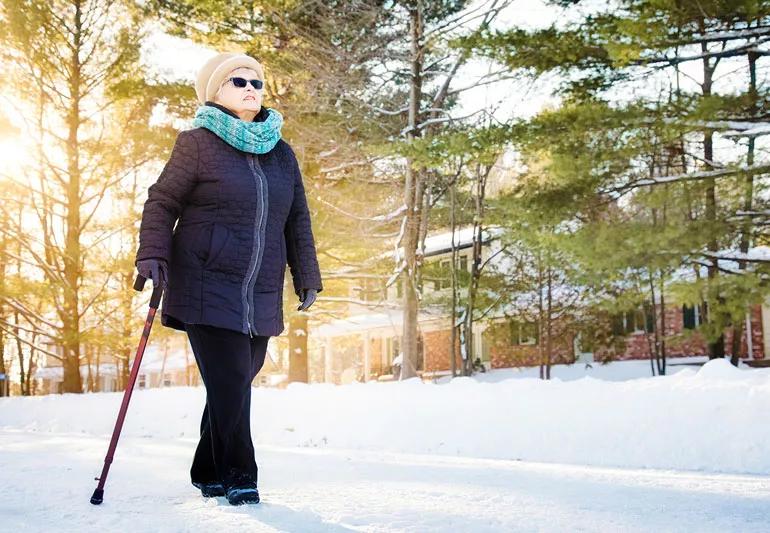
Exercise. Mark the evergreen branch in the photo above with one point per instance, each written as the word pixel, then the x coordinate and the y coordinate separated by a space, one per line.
pixel 706 174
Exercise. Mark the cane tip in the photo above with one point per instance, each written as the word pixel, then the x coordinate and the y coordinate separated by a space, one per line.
pixel 98 496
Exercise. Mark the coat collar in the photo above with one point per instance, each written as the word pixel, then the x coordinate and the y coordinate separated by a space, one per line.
pixel 260 117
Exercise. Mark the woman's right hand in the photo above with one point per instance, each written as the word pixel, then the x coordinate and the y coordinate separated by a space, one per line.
pixel 154 269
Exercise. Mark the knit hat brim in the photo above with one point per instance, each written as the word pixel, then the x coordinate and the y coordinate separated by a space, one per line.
pixel 216 69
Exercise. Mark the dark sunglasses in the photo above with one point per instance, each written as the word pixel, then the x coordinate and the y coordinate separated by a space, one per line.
pixel 241 82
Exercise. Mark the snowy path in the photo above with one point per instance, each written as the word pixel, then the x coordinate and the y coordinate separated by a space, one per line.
pixel 46 480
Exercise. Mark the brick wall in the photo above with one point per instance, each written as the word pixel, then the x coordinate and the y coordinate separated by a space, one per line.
pixel 681 342
pixel 436 349
pixel 503 354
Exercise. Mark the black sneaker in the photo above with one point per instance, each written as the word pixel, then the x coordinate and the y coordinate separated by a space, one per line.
pixel 210 490
pixel 243 494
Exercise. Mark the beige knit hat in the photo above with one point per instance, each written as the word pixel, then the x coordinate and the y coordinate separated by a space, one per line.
pixel 216 69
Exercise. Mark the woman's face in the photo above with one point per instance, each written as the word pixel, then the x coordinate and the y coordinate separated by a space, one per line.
pixel 240 99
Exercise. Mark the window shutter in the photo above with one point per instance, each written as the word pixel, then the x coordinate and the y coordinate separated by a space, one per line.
pixel 688 317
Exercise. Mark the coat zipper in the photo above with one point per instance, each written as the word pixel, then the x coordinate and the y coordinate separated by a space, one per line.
pixel 256 258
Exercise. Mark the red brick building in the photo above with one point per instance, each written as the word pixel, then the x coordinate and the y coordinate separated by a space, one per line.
pixel 364 345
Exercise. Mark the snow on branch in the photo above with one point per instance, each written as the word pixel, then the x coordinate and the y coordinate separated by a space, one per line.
pixel 763 213
pixel 396 273
pixel 755 130
pixel 734 35
pixel 727 52
pixel 399 238
pixel 706 174
pixel 434 121
pixel 31 344
pixel 35 331
pixel 328 153
pixel 390 112
pixel 352 275
pixel 27 312
pixel 343 166
pixel 728 128
pixel 342 299
pixel 721 268
pixel 387 217
pixel 760 254
pixel 737 125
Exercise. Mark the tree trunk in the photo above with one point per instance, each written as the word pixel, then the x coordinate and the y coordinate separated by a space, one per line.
pixel 298 359
pixel 716 348
pixel 748 202
pixel 3 263
pixel 655 351
pixel 89 371
pixel 453 313
pixel 549 323
pixel 72 273
pixel 662 361
pixel 413 201
pixel 540 314
pixel 163 364
pixel 98 387
pixel 20 355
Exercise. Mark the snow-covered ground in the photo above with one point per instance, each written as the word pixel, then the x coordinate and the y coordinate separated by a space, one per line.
pixel 686 452
pixel 48 479
pixel 616 371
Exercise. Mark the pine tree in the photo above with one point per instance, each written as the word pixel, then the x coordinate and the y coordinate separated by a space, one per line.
pixel 635 115
pixel 77 57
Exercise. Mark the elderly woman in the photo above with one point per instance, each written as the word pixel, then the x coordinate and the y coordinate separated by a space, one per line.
pixel 236 189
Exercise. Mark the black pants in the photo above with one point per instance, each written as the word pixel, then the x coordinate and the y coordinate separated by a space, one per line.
pixel 228 362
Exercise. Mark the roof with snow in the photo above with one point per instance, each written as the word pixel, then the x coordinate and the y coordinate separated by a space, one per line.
pixel 389 320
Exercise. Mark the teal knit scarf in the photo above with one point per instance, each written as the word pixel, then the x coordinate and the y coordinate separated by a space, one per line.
pixel 252 137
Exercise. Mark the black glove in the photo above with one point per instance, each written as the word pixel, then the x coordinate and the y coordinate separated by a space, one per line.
pixel 307 297
pixel 154 269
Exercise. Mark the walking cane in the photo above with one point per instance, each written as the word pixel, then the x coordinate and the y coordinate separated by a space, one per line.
pixel 98 495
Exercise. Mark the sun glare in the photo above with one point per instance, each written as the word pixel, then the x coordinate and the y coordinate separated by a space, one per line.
pixel 14 155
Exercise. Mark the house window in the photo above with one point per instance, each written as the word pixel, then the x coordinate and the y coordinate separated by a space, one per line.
pixel 445 275
pixel 649 319
pixel 691 316
pixel 142 381
pixel 523 333
pixel 635 321
pixel 370 290
pixel 444 278
pixel 167 380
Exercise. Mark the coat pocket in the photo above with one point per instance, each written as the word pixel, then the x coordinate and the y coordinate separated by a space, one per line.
pixel 218 240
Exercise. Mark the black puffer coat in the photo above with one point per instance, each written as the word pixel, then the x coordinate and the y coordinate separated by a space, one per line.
pixel 242 217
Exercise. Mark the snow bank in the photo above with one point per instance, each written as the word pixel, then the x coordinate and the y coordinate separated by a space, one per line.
pixel 715 419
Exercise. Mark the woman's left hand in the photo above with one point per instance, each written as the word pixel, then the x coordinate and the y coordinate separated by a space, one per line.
pixel 307 297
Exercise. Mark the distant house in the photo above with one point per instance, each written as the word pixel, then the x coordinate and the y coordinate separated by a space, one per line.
pixel 165 363
pixel 364 345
